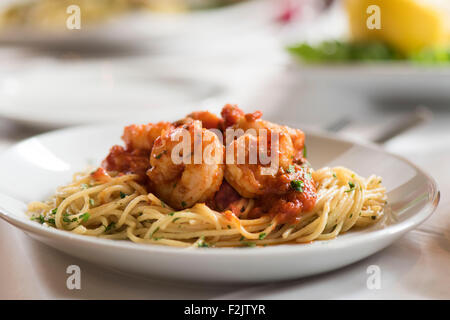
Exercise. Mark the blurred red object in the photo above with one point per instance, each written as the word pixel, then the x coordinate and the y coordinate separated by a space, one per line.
pixel 291 10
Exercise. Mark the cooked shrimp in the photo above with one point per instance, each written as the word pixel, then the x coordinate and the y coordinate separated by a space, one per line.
pixel 209 120
pixel 256 177
pixel 236 118
pixel 143 136
pixel 298 140
pixel 181 184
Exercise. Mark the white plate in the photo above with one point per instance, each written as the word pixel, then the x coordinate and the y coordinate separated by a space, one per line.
pixel 32 170
pixel 396 83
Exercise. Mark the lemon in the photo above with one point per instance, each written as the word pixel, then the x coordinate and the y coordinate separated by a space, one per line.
pixel 407 25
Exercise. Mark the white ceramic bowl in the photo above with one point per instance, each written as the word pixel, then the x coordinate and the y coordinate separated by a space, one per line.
pixel 31 170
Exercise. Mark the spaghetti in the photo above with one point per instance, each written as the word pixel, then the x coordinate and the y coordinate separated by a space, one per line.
pixel 121 208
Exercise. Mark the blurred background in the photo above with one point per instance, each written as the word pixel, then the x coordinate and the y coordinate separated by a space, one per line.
pixel 316 64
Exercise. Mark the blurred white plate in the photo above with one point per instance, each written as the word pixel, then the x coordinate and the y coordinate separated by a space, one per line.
pixel 32 170
pixel 58 95
pixel 394 82
pixel 143 28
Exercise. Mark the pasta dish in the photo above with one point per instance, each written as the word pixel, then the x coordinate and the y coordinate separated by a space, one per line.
pixel 207 181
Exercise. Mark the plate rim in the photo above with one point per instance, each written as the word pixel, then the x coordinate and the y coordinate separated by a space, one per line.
pixel 398 228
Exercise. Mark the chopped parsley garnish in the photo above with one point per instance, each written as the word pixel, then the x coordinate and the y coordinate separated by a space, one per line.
pixel 122 195
pixel 262 236
pixel 92 202
pixel 297 185
pixel 40 219
pixel 242 238
pixel 54 211
pixel 85 216
pixel 351 185
pixel 291 168
pixel 242 209
pixel 202 243
pixel 175 219
pixel 163 204
pixel 51 221
pixel 171 214
pixel 305 152
pixel 183 204
pixel 250 244
pixel 157 228
pixel 334 175
pixel 110 226
pixel 160 155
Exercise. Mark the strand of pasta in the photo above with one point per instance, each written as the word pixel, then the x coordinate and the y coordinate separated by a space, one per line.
pixel 122 209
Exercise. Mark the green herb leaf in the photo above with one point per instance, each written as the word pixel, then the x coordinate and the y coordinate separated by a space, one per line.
pixel 250 244
pixel 203 244
pixel 305 152
pixel 40 219
pixel 337 51
pixel 122 195
pixel 85 216
pixel 297 185
pixel 262 236
pixel 291 168
pixel 157 228
pixel 92 202
pixel 110 226
pixel 160 155
pixel 351 185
